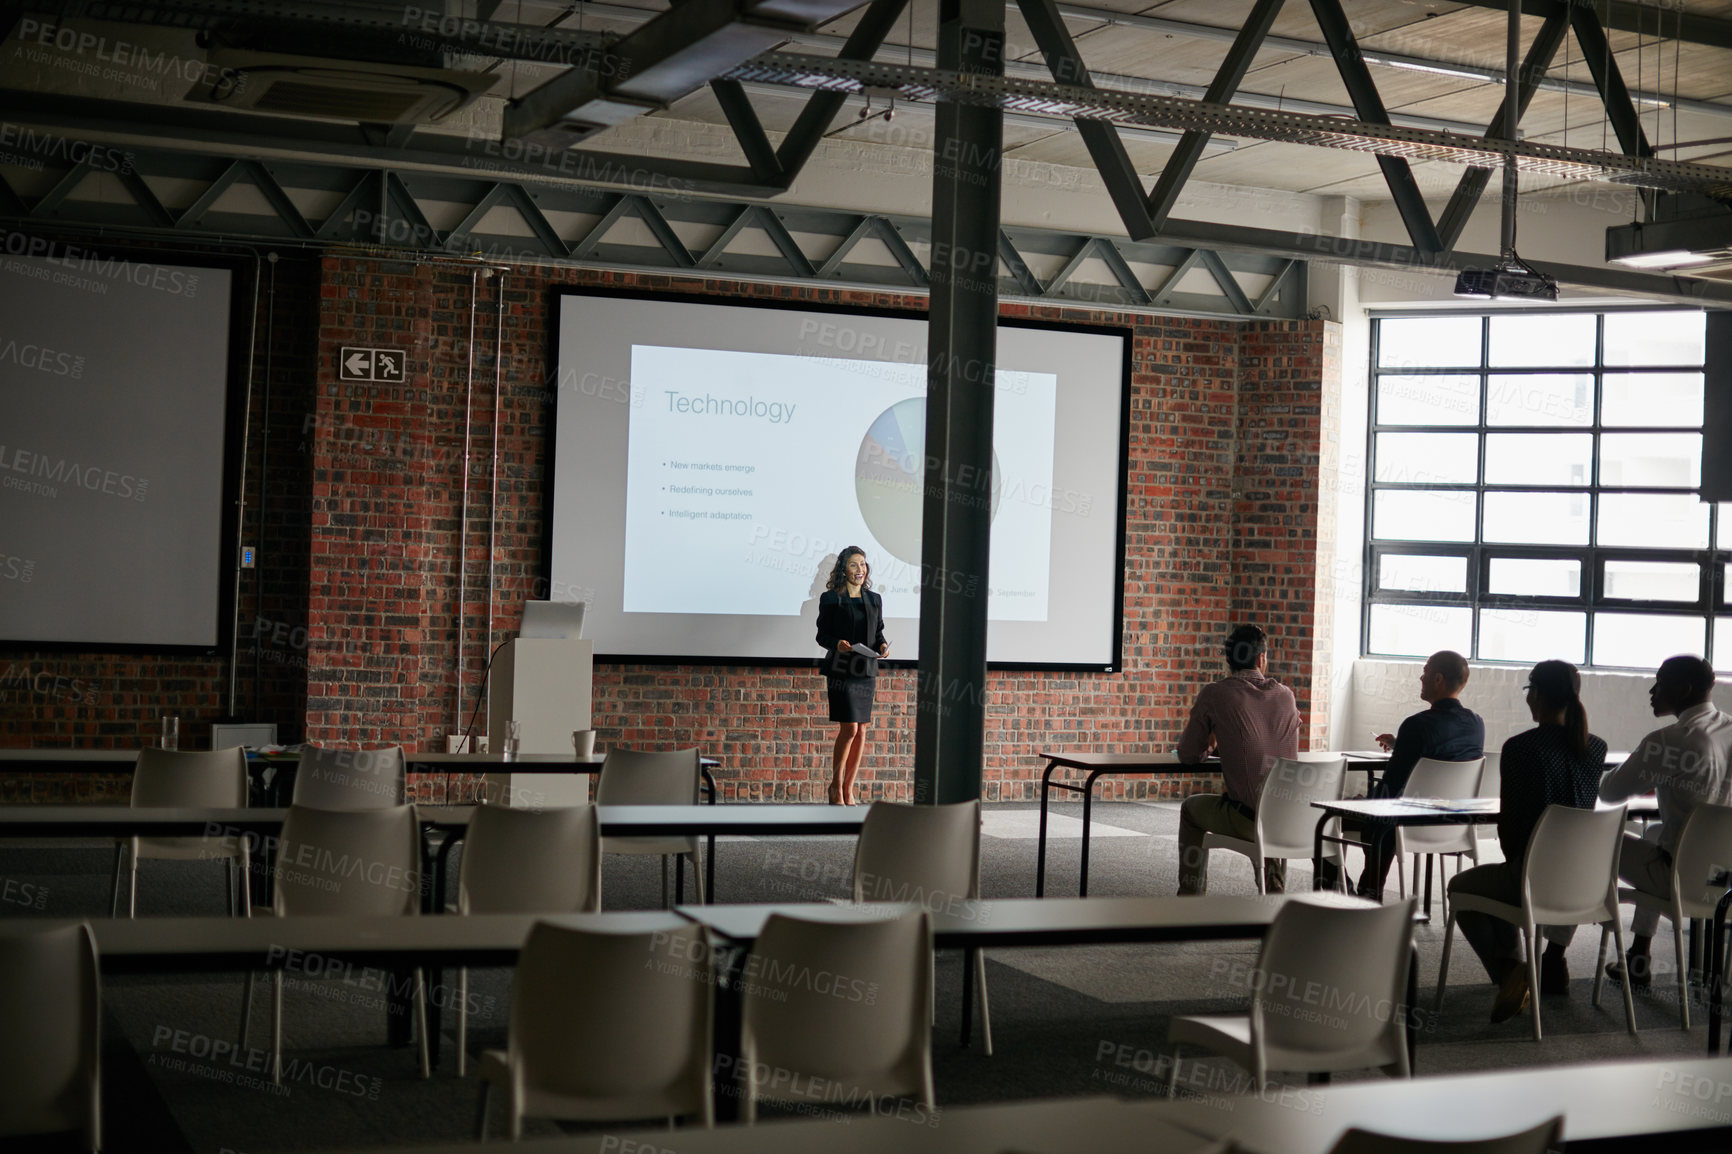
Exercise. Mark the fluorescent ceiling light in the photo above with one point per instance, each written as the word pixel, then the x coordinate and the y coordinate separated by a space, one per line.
pixel 1675 258
pixel 1435 69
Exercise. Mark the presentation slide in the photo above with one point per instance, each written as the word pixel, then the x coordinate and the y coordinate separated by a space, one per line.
pixel 711 461
pixel 769 442
pixel 114 385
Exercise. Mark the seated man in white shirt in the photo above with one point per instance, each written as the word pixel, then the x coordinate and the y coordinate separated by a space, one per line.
pixel 1685 764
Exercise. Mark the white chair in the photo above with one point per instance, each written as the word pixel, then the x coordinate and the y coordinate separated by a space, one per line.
pixel 1704 848
pixel 1569 878
pixel 357 862
pixel 1541 1139
pixel 607 1026
pixel 1327 994
pixel 848 1002
pixel 643 777
pixel 1286 822
pixel 927 854
pixel 525 861
pixel 50 1046
pixel 167 778
pixel 1434 778
pixel 329 778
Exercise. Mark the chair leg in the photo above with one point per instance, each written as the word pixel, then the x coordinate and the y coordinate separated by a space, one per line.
pixel 247 1007
pixel 1600 966
pixel 119 864
pixel 1629 1001
pixel 246 884
pixel 1683 972
pixel 985 1009
pixel 421 1023
pixel 132 890
pixel 664 881
pixel 277 1029
pixel 1531 937
pixel 229 877
pixel 1443 967
pixel 481 1112
pixel 1400 876
pixel 462 1020
pixel 1173 1074
pixel 697 874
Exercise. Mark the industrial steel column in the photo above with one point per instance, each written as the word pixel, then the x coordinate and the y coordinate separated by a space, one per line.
pixel 951 722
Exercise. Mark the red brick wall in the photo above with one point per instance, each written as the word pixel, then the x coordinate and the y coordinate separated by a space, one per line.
pixel 1227 445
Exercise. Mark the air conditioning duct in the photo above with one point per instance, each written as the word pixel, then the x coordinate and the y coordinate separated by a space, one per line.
pixel 330 89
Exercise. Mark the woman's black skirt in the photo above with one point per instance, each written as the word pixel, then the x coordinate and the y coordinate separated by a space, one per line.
pixel 851 698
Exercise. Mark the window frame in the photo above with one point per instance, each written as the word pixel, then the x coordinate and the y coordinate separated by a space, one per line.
pixel 1714 587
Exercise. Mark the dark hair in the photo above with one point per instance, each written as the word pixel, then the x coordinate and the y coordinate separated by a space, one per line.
pixel 1451 666
pixel 1558 685
pixel 839 571
pixel 1244 645
pixel 1691 674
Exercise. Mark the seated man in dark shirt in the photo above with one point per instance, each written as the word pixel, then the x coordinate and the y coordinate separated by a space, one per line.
pixel 1448 731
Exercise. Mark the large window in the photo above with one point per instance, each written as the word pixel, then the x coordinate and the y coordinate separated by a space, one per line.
pixel 1533 490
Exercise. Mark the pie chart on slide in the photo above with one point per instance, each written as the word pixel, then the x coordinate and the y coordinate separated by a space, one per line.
pixel 889 474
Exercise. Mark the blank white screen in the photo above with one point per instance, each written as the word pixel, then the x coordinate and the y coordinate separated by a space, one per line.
pixel 113 397
pixel 711 460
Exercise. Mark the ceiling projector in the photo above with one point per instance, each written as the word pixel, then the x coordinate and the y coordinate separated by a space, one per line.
pixel 1510 280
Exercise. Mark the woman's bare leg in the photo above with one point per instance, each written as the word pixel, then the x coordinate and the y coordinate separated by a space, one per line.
pixel 846 735
pixel 853 764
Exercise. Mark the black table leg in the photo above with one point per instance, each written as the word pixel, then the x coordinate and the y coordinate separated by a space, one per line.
pixel 967 996
pixel 727 1084
pixel 1412 1001
pixel 1088 812
pixel 1717 971
pixel 710 842
pixel 1429 859
pixel 1316 855
pixel 433 902
pixel 1040 852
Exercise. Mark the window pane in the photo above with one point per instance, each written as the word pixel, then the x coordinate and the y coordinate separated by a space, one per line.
pixel 1418 515
pixel 1541 399
pixel 1428 400
pixel 1539 458
pixel 1428 458
pixel 1669 459
pixel 1420 630
pixel 1725 527
pixel 1540 341
pixel 1652 581
pixel 1535 577
pixel 1413 573
pixel 1651 399
pixel 1428 342
pixel 1537 518
pixel 1665 520
pixel 1643 640
pixel 1722 643
pixel 1531 635
pixel 1664 338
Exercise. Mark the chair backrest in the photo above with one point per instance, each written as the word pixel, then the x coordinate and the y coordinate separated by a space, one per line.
pixel 350 778
pixel 648 777
pixel 1286 823
pixel 1704 846
pixel 1570 876
pixel 1491 775
pixel 528 861
pixel 623 1019
pixel 173 777
pixel 1434 778
pixel 348 861
pixel 842 1000
pixel 929 854
pixel 1332 978
pixel 50 1048
pixel 1546 1136
pixel 1454 779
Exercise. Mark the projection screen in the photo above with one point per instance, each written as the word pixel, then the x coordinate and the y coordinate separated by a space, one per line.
pixel 710 461
pixel 114 390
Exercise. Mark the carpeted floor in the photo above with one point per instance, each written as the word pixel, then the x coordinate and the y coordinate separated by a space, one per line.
pixel 1065 1021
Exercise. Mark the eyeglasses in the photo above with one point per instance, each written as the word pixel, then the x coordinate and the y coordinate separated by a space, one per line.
pixel 1528 688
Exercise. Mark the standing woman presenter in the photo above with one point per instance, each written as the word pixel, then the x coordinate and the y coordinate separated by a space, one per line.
pixel 851 630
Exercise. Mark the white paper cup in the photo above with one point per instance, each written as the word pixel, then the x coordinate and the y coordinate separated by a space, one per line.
pixel 583 743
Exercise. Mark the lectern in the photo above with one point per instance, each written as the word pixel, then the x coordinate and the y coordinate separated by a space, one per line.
pixel 543 684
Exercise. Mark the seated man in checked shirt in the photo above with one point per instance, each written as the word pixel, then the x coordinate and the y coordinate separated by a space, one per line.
pixel 1684 764
pixel 1249 719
